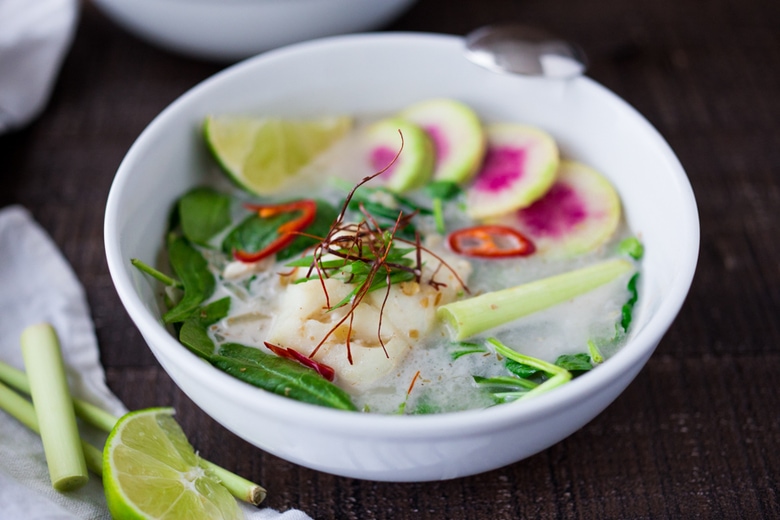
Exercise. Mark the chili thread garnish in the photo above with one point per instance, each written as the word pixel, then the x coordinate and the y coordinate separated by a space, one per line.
pixel 363 252
pixel 414 380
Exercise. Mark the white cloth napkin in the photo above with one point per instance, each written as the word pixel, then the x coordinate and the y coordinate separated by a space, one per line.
pixel 34 38
pixel 37 285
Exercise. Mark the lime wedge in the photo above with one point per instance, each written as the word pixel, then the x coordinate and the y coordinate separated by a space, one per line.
pixel 151 471
pixel 263 155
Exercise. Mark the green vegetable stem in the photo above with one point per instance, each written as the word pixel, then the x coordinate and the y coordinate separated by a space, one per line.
pixel 56 419
pixel 23 411
pixel 475 315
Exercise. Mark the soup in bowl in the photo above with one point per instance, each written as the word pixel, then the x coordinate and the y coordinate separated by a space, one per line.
pixel 447 394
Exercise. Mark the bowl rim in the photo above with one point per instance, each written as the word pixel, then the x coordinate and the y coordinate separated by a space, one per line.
pixel 468 422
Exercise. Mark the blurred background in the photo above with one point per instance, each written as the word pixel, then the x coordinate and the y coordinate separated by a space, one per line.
pixel 694 436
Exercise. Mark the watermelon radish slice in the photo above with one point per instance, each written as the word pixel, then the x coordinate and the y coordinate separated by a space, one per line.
pixel 579 213
pixel 457 135
pixel 519 167
pixel 414 165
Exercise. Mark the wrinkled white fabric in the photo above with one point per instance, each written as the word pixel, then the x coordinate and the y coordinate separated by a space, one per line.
pixel 38 285
pixel 35 35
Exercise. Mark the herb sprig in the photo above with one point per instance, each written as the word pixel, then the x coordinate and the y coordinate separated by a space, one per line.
pixel 367 255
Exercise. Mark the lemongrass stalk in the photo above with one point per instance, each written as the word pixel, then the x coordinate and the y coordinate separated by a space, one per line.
pixel 475 315
pixel 90 413
pixel 239 487
pixel 23 411
pixel 53 407
pixel 14 378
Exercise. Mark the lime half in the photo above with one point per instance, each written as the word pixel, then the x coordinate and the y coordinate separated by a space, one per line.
pixel 264 154
pixel 151 471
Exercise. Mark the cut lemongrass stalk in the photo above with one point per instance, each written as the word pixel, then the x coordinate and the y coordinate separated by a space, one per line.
pixel 53 407
pixel 90 413
pixel 475 315
pixel 23 411
pixel 14 378
pixel 239 487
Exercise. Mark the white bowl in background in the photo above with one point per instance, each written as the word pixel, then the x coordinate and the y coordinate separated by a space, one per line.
pixel 229 30
pixel 369 74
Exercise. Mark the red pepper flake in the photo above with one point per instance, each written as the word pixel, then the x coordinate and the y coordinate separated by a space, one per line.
pixel 290 353
pixel 414 380
pixel 490 241
pixel 287 231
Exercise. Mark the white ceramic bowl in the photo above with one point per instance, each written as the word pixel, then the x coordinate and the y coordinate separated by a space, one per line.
pixel 229 30
pixel 378 73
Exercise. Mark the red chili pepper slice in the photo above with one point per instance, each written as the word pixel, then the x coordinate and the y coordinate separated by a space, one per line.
pixel 290 353
pixel 490 241
pixel 287 231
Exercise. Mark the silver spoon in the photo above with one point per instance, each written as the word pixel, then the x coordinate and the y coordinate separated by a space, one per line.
pixel 519 49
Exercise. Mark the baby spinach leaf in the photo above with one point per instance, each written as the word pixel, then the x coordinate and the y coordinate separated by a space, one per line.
pixel 203 212
pixel 254 233
pixel 194 331
pixel 281 376
pixel 326 215
pixel 521 369
pixel 575 363
pixel 194 274
pixel 443 190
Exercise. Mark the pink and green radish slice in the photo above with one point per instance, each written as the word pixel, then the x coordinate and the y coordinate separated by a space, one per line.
pixel 457 135
pixel 413 166
pixel 579 213
pixel 519 167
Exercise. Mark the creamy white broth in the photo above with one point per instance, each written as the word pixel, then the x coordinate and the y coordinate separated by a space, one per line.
pixel 441 383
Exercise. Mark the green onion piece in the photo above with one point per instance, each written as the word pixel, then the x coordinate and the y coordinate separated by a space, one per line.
pixel 481 313
pixel 53 407
pixel 24 412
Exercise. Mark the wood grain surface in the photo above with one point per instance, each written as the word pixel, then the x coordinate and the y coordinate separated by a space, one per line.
pixel 696 435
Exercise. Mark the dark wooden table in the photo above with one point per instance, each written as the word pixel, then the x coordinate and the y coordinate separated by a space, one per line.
pixel 697 434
